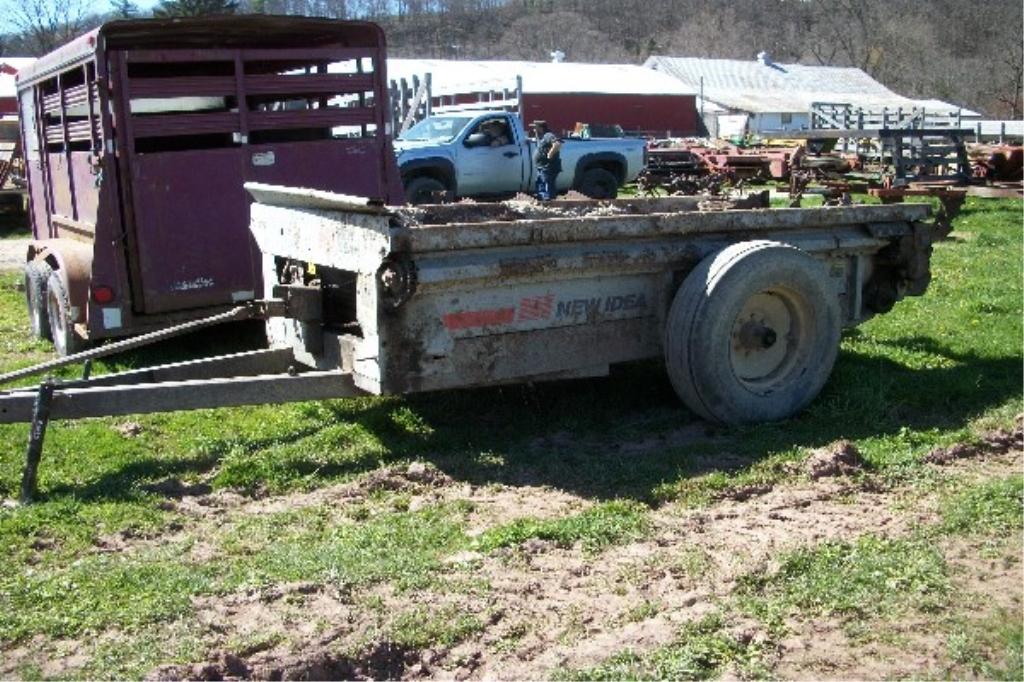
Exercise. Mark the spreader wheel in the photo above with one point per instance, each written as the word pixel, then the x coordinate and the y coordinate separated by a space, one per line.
pixel 752 333
pixel 62 324
pixel 36 275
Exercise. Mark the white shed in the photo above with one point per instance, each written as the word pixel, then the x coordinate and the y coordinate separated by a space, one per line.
pixel 9 67
pixel 779 97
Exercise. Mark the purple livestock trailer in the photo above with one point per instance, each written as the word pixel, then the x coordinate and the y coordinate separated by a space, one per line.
pixel 139 136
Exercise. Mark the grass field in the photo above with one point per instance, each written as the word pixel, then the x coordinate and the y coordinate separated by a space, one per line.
pixel 578 530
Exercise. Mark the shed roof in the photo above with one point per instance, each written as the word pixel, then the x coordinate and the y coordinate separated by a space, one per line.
pixel 758 87
pixel 451 77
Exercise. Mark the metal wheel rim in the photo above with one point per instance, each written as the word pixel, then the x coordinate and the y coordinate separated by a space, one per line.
pixel 767 338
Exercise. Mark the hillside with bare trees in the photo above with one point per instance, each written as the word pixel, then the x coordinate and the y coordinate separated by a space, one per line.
pixel 968 54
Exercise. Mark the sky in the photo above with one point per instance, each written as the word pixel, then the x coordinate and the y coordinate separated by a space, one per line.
pixel 97 6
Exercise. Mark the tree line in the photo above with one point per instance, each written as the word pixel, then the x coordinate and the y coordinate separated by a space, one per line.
pixel 969 54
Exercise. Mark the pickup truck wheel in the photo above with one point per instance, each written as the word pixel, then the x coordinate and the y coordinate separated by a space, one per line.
pixel 425 190
pixel 598 183
pixel 752 333
pixel 36 275
pixel 62 325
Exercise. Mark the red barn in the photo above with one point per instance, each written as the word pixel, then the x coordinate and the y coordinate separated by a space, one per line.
pixel 564 94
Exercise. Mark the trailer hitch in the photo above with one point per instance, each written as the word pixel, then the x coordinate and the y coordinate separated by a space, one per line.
pixel 269 375
pixel 43 400
pixel 245 312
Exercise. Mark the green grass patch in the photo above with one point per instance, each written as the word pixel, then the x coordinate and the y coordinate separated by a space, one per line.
pixel 595 528
pixel 871 577
pixel 99 591
pixel 1009 648
pixel 318 545
pixel 707 483
pixel 133 655
pixel 421 627
pixel 67 527
pixel 990 649
pixel 129 590
pixel 702 650
pixel 644 610
pixel 989 507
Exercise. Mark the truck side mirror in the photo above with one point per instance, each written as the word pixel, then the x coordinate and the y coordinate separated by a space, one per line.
pixel 477 140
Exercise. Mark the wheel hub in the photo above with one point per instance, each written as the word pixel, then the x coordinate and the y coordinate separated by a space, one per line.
pixel 753 335
pixel 762 341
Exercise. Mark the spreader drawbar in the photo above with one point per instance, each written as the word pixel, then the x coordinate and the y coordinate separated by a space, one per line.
pixel 249 378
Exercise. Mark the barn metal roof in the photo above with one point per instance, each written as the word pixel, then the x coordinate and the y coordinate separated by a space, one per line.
pixel 452 77
pixel 757 87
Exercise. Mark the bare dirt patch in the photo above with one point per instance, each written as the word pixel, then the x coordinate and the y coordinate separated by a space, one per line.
pixel 176 488
pixel 424 483
pixel 994 442
pixel 839 459
pixel 379 661
pixel 12 253
pixel 54 657
pixel 548 607
pixel 198 501
pixel 541 607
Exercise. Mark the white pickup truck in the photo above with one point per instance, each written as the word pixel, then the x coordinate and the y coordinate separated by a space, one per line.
pixel 453 156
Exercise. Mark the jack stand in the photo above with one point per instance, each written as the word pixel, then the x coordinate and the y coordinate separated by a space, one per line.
pixel 40 418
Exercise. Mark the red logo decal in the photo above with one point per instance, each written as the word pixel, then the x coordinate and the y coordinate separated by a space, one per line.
pixel 478 318
pixel 536 307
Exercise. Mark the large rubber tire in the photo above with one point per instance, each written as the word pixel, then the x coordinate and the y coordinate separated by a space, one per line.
pixel 599 183
pixel 424 190
pixel 753 333
pixel 37 273
pixel 62 325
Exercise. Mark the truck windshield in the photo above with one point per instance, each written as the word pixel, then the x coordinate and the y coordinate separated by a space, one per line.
pixel 436 129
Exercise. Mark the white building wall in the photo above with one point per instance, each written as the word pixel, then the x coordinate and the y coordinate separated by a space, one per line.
pixel 772 122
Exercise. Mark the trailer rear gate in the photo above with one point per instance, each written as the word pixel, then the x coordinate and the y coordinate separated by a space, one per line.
pixel 271 137
pixel 145 135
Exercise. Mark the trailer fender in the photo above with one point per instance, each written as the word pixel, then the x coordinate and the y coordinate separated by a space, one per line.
pixel 72 261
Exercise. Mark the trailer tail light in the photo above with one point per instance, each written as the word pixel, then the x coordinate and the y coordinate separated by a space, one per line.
pixel 102 294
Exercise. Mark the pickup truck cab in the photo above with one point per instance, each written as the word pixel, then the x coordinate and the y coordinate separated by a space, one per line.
pixel 490 155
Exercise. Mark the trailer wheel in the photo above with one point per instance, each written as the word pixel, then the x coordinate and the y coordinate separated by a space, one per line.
pixel 752 333
pixel 62 325
pixel 425 190
pixel 36 275
pixel 599 183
